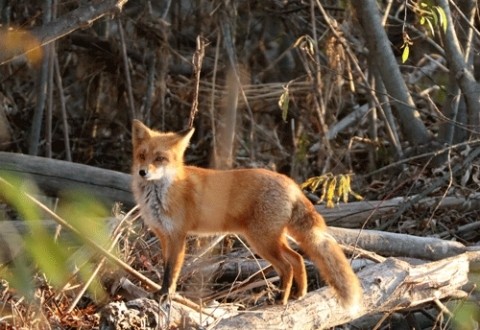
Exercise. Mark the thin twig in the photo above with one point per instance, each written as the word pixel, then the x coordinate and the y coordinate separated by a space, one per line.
pixel 212 101
pixel 63 109
pixel 50 51
pixel 319 100
pixel 391 130
pixel 197 67
pixel 432 154
pixel 150 94
pixel 49 107
pixel 465 18
pixel 442 307
pixel 433 186
pixel 128 80
pixel 41 91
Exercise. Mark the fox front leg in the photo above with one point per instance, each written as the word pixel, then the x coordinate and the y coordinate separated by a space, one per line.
pixel 172 266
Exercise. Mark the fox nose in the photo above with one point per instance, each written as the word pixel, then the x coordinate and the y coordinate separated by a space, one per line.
pixel 142 173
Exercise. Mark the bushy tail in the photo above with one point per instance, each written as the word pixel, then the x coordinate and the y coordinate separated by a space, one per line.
pixel 323 250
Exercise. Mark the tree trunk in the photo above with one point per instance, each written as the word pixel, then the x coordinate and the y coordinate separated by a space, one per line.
pixel 458 62
pixel 381 52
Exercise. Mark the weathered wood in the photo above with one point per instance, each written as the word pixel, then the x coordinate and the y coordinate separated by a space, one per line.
pixel 389 286
pixel 398 245
pixel 54 176
pixel 355 214
pixel 146 314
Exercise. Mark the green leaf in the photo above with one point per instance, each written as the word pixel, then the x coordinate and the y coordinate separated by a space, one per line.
pixel 19 275
pixel 12 189
pixel 50 257
pixel 43 253
pixel 464 315
pixel 85 214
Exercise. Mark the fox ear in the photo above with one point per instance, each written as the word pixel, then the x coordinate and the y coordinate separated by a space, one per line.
pixel 140 132
pixel 184 139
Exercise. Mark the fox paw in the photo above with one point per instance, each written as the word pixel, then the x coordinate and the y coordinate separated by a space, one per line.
pixel 280 298
pixel 161 297
pixel 297 294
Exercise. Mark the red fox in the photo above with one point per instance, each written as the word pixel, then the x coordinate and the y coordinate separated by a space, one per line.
pixel 261 205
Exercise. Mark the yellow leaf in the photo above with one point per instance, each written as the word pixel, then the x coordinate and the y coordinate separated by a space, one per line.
pixel 347 189
pixel 405 53
pixel 331 190
pixel 283 103
pixel 430 25
pixel 357 196
pixel 442 17
pixel 317 183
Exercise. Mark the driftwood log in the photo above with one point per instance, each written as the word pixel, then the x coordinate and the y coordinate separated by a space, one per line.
pixel 54 176
pixel 355 214
pixel 389 286
pixel 398 245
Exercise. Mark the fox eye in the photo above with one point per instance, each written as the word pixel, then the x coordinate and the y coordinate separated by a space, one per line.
pixel 141 156
pixel 161 159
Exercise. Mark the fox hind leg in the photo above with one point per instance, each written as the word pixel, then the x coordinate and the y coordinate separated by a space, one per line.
pixel 278 253
pixel 299 271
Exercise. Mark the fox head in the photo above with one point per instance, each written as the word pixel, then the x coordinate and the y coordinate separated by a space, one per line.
pixel 157 155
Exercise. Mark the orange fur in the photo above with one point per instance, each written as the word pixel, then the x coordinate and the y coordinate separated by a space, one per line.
pixel 263 206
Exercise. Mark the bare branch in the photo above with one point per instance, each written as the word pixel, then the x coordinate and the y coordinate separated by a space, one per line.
pixel 54 30
pixel 197 67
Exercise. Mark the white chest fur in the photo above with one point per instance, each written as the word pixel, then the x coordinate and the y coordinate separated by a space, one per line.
pixel 153 208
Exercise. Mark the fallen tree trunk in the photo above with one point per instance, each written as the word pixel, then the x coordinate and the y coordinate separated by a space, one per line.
pixel 53 176
pixel 389 286
pixel 398 245
pixel 356 214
